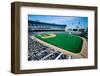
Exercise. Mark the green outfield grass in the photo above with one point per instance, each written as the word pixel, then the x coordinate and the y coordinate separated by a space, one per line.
pixel 67 42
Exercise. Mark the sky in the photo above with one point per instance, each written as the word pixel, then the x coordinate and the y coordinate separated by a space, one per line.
pixel 70 21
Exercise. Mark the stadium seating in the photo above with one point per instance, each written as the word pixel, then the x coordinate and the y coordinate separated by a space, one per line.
pixel 38 51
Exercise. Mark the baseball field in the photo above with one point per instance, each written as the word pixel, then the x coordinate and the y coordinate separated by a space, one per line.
pixel 71 43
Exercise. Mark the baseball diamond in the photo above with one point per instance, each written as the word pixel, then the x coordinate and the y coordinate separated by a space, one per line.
pixel 63 41
pixel 47 35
